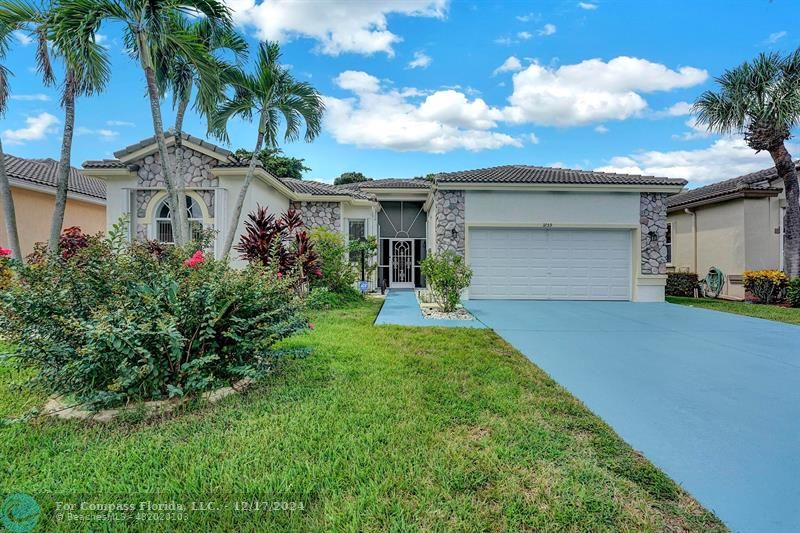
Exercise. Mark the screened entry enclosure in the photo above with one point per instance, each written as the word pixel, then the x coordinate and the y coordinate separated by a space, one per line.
pixel 401 232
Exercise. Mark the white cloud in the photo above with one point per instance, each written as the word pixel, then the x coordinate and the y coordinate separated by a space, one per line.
pixel 36 128
pixel 30 97
pixel 600 129
pixel 445 120
pixel 504 40
pixel 529 17
pixel 587 6
pixel 727 157
pixel 547 29
pixel 512 64
pixel 421 60
pixel 696 131
pixel 358 27
pixel 22 38
pixel 533 138
pixel 775 37
pixel 524 35
pixel 592 90
pixel 120 123
pixel 100 132
pixel 677 109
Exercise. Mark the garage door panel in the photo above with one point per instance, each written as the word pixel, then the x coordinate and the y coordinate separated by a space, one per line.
pixel 526 263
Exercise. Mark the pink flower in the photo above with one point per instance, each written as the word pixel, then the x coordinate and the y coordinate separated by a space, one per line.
pixel 280 275
pixel 196 260
pixel 5 252
pixel 310 325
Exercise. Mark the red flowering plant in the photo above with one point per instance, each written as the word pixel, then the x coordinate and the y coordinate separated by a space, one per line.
pixel 197 259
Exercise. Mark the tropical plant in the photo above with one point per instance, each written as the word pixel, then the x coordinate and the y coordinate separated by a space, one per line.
pixel 761 100
pixel 149 32
pixel 447 275
pixel 9 214
pixel 681 284
pixel 793 292
pixel 272 95
pixel 338 273
pixel 765 285
pixel 86 72
pixel 275 163
pixel 350 177
pixel 113 323
pixel 178 75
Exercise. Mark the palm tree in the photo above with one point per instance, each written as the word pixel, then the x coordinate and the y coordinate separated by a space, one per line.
pixel 180 76
pixel 86 72
pixel 273 95
pixel 9 215
pixel 149 31
pixel 761 99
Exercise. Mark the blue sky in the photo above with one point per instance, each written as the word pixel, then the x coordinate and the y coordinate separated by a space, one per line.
pixel 419 86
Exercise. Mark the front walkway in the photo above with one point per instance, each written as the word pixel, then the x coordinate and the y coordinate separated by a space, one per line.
pixel 711 398
pixel 402 309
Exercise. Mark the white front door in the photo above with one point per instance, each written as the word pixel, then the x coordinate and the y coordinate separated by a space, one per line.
pixel 401 264
pixel 556 264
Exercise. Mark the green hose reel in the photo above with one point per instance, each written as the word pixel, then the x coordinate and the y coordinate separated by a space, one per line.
pixel 713 283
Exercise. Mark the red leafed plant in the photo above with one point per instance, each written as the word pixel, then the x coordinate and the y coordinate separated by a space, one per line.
pixel 72 239
pixel 267 239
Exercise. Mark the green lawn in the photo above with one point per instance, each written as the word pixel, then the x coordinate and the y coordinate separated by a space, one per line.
pixel 381 428
pixel 789 315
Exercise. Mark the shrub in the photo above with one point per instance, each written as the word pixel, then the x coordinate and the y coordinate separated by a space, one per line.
pixel 681 284
pixel 447 275
pixel 793 292
pixel 765 285
pixel 338 274
pixel 323 298
pixel 120 322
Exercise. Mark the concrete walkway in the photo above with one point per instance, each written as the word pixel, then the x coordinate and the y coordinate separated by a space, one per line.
pixel 402 309
pixel 711 398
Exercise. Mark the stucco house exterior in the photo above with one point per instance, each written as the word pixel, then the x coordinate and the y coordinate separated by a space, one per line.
pixel 33 190
pixel 735 225
pixel 527 232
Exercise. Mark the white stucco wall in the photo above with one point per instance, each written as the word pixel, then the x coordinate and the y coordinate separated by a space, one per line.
pixel 567 210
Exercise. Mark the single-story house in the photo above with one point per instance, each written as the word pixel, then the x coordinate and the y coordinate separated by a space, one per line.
pixel 527 232
pixel 735 225
pixel 33 190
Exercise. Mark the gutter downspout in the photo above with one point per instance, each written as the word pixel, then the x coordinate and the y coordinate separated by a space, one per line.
pixel 694 238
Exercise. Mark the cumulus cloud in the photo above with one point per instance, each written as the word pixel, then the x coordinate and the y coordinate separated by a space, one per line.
pixel 773 38
pixel 512 64
pixel 357 27
pixel 30 97
pixel 36 128
pixel 677 109
pixel 696 131
pixel 421 60
pixel 725 158
pixel 591 91
pixel 547 29
pixel 99 132
pixel 378 117
pixel 587 6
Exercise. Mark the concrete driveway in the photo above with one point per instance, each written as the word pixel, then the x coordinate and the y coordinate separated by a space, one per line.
pixel 711 398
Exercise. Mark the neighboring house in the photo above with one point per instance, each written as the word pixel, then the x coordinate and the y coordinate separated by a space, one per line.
pixel 527 232
pixel 735 225
pixel 33 189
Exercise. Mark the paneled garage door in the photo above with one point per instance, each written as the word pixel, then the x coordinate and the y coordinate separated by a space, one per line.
pixel 550 264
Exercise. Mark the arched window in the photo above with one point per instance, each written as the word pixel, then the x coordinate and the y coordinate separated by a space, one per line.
pixel 164 223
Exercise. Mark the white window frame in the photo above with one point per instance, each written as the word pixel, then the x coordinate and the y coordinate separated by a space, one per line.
pixel 158 220
pixel 670 237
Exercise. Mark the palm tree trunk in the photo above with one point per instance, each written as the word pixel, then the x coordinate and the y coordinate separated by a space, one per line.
pixel 63 163
pixel 251 170
pixel 9 215
pixel 791 219
pixel 158 127
pixel 183 215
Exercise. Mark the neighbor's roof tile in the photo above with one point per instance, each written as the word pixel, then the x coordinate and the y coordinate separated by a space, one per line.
pixel 45 172
pixel 547 175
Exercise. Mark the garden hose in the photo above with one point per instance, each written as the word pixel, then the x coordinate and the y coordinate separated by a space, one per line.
pixel 715 280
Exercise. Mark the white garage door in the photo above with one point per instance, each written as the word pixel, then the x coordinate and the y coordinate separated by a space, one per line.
pixel 554 264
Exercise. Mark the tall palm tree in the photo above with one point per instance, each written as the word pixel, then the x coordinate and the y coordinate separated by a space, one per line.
pixel 86 72
pixel 761 100
pixel 9 215
pixel 180 76
pixel 148 31
pixel 274 96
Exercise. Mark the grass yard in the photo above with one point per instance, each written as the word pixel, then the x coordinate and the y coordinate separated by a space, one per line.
pixel 387 428
pixel 790 315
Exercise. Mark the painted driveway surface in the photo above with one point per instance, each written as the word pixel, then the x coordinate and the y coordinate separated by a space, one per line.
pixel 402 309
pixel 711 398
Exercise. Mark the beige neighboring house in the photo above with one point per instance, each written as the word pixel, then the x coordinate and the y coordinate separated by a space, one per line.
pixel 735 225
pixel 33 189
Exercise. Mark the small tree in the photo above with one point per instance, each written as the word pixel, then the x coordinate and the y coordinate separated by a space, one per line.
pixel 447 275
pixel 350 177
pixel 276 164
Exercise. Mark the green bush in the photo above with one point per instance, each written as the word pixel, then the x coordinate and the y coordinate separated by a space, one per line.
pixel 324 298
pixel 793 292
pixel 119 322
pixel 338 274
pixel 681 284
pixel 765 285
pixel 447 275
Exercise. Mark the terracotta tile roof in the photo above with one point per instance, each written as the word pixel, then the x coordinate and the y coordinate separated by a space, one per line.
pixel 322 189
pixel 547 175
pixel 103 163
pixel 755 181
pixel 389 183
pixel 45 172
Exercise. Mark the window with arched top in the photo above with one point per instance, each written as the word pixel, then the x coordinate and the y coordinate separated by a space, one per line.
pixel 163 223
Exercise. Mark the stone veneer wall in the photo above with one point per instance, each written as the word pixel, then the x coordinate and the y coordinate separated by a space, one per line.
pixel 449 217
pixel 145 196
pixel 196 166
pixel 320 214
pixel 653 220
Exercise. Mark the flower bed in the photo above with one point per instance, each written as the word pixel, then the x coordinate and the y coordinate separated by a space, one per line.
pixel 432 310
